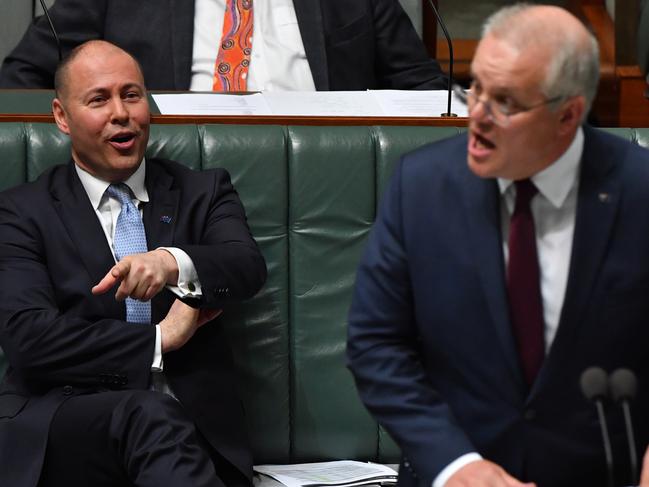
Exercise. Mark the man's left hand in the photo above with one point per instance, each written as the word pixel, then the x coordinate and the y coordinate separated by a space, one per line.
pixel 142 276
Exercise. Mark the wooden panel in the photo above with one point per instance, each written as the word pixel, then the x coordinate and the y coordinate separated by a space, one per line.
pixel 463 51
pixel 627 13
pixel 634 104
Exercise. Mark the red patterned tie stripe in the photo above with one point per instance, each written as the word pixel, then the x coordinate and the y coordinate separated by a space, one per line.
pixel 233 60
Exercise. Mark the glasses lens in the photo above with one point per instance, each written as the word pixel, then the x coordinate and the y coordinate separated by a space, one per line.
pixel 499 114
pixel 494 111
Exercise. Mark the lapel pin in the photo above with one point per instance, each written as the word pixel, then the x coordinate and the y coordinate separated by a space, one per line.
pixel 604 197
pixel 165 219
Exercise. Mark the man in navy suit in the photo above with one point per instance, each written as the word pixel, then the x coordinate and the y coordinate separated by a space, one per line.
pixel 93 396
pixel 297 44
pixel 471 364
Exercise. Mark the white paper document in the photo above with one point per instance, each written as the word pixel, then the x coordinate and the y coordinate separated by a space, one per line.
pixel 375 103
pixel 212 104
pixel 418 103
pixel 340 473
pixel 323 103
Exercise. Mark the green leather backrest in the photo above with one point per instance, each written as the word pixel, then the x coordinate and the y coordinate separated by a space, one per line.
pixel 310 194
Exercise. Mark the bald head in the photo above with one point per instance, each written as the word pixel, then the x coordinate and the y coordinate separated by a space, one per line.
pixel 97 49
pixel 558 40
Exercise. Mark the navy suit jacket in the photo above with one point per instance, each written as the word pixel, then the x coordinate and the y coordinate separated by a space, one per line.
pixel 350 44
pixel 60 340
pixel 430 341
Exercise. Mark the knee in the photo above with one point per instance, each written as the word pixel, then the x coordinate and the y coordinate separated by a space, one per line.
pixel 148 406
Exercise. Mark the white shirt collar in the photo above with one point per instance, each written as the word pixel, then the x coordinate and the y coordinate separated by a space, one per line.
pixel 95 187
pixel 556 180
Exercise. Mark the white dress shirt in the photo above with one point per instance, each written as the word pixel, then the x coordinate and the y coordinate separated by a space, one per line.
pixel 554 209
pixel 278 61
pixel 108 208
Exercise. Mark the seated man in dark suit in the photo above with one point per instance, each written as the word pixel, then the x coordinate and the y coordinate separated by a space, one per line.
pixel 502 264
pixel 296 45
pixel 93 254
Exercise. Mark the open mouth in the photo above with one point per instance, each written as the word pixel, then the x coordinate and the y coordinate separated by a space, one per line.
pixel 479 146
pixel 122 141
pixel 482 142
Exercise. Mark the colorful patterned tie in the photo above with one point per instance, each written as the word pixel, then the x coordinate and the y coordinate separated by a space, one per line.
pixel 130 239
pixel 523 283
pixel 233 60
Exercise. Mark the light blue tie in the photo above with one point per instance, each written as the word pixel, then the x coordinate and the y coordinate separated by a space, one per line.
pixel 130 239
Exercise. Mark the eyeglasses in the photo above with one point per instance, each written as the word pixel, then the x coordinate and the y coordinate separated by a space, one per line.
pixel 497 111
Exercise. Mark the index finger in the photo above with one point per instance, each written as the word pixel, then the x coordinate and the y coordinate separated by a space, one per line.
pixel 114 275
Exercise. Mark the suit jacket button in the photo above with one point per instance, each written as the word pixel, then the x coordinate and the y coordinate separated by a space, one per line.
pixel 68 391
pixel 529 415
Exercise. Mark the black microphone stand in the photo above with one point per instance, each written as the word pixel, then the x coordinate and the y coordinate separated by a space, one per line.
pixel 56 37
pixel 594 386
pixel 623 385
pixel 450 60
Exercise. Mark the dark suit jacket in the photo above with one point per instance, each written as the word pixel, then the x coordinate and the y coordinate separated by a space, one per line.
pixel 60 340
pixel 350 44
pixel 430 340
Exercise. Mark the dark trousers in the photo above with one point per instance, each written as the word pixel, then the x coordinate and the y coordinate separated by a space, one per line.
pixel 130 438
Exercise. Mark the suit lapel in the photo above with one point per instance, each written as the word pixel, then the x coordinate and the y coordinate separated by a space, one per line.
pixel 160 214
pixel 309 19
pixel 82 225
pixel 160 218
pixel 181 19
pixel 597 206
pixel 482 203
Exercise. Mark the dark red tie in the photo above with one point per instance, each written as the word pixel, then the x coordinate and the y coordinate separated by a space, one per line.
pixel 523 283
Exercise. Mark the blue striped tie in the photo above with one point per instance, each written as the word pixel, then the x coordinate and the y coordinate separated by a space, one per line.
pixel 130 239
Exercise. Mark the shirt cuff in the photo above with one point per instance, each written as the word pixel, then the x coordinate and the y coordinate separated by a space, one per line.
pixel 188 284
pixel 158 363
pixel 454 466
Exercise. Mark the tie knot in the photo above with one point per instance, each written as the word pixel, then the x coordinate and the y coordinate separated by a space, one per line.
pixel 121 192
pixel 525 191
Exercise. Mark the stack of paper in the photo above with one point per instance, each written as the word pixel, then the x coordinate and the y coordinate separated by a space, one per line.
pixel 345 473
pixel 377 103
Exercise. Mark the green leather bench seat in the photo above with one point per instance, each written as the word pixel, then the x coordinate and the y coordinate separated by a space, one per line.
pixel 311 195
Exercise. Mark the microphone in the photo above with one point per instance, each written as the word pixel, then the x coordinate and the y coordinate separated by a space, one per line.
pixel 450 60
pixel 594 386
pixel 623 385
pixel 56 37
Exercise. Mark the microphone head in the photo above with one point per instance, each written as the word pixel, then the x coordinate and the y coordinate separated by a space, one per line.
pixel 623 384
pixel 594 383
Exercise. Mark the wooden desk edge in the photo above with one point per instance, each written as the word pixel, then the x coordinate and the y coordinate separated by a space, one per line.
pixel 267 120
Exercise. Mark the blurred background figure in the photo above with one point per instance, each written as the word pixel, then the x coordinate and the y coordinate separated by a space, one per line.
pixel 266 45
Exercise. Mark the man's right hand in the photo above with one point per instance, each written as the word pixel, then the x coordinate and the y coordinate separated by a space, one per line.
pixel 483 473
pixel 181 323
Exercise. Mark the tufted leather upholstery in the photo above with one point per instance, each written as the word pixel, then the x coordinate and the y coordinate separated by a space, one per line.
pixel 310 194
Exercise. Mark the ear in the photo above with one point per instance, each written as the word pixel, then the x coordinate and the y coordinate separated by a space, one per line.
pixel 571 114
pixel 60 117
